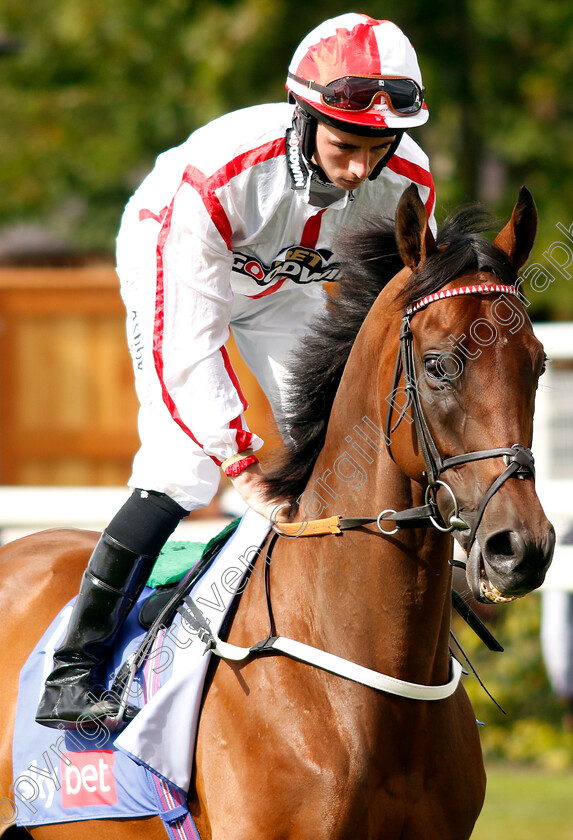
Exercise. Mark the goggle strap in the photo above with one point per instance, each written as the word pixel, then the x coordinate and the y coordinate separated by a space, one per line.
pixel 311 85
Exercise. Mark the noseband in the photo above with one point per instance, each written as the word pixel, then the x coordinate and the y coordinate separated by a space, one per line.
pixel 518 458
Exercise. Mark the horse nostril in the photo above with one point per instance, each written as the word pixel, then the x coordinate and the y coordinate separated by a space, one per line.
pixel 512 564
pixel 502 544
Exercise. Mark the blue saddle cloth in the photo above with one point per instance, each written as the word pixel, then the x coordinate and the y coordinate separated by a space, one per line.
pixel 76 775
pixel 68 776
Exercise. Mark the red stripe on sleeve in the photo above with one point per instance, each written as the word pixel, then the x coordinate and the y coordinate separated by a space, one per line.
pixel 159 325
pixel 205 187
pixel 201 184
pixel 244 438
pixel 244 161
pixel 417 174
pixel 233 377
pixel 149 214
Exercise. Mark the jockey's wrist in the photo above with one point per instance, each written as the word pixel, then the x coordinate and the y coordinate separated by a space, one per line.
pixel 235 465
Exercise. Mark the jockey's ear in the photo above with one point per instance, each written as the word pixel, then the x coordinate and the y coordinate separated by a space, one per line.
pixel 517 237
pixel 413 235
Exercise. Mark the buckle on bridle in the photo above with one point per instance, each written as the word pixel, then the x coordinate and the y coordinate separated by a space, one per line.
pixel 524 457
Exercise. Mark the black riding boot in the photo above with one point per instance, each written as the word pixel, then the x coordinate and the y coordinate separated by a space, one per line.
pixel 111 584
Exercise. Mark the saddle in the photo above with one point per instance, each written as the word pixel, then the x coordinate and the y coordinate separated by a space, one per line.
pixel 178 568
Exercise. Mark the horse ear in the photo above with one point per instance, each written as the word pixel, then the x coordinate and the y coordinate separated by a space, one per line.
pixel 517 237
pixel 413 235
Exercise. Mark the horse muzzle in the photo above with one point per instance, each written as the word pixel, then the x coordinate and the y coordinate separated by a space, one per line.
pixel 507 564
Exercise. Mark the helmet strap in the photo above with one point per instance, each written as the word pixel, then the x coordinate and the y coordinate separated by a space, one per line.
pixel 381 164
pixel 305 125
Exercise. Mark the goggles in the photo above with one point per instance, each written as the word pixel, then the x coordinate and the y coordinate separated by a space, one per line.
pixel 358 93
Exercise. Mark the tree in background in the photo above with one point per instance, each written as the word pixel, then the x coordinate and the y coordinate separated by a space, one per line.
pixel 99 88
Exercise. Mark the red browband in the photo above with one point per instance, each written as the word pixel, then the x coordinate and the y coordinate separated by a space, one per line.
pixel 482 288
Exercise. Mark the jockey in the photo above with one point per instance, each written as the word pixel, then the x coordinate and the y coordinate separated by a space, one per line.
pixel 236 229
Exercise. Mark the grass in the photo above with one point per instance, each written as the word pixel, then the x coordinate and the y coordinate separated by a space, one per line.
pixel 526 804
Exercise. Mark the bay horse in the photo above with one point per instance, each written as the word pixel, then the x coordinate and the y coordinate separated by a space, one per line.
pixel 413 405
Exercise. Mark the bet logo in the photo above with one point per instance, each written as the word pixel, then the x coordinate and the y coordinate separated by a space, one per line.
pixel 88 779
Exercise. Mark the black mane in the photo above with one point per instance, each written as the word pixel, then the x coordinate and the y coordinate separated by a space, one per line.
pixel 368 259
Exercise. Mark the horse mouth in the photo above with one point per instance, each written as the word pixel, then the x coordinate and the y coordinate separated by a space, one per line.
pixel 489 594
pixel 482 587
pixel 505 565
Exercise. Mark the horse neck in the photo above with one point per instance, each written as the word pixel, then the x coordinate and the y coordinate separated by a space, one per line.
pixel 382 601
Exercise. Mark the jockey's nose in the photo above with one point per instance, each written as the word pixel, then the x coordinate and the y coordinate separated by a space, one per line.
pixel 360 164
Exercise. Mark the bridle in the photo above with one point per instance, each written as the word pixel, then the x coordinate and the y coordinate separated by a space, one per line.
pixel 519 463
pixel 518 458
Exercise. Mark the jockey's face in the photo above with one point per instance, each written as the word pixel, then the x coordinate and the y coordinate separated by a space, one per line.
pixel 348 159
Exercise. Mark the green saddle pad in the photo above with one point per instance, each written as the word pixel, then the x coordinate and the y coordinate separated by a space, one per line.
pixel 177 558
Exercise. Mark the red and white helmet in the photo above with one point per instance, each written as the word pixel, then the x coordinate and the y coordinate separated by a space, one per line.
pixel 359 72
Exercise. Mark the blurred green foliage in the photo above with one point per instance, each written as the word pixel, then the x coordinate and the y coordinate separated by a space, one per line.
pixel 100 87
pixel 525 803
pixel 531 730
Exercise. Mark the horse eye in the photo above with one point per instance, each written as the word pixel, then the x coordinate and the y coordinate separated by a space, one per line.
pixel 433 367
pixel 544 365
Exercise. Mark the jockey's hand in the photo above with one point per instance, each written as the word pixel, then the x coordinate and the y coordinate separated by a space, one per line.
pixel 250 485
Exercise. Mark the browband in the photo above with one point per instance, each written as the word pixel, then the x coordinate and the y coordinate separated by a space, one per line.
pixel 482 288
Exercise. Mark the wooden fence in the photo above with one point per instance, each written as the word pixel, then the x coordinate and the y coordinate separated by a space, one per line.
pixel 67 403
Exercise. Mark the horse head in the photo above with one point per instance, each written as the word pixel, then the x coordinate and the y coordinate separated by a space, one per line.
pixel 470 364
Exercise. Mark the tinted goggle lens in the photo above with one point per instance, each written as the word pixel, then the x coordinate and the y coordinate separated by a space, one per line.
pixel 353 93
